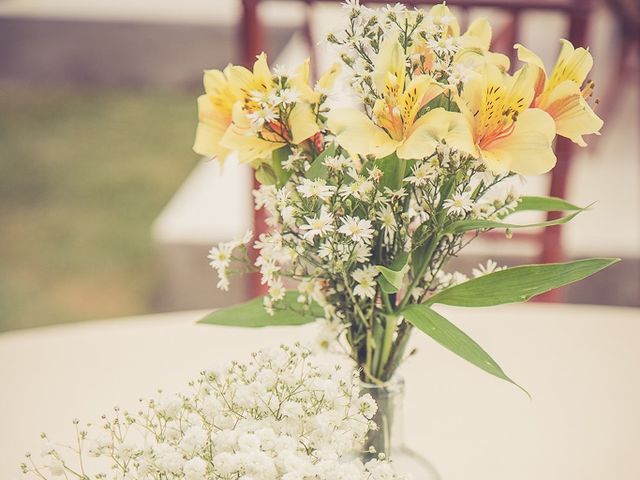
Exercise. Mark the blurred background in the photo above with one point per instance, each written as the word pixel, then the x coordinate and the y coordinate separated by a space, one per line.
pixel 105 211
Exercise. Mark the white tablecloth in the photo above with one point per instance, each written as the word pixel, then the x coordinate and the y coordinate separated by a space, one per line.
pixel 580 364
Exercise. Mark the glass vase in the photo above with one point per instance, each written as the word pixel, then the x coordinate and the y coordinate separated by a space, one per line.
pixel 389 437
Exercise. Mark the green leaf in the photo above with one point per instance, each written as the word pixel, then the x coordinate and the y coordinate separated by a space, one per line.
pixel 461 226
pixel 277 157
pixel 393 169
pixel 452 338
pixel 392 276
pixel 265 175
pixel 518 284
pixel 545 204
pixel 318 169
pixel 252 313
pixel 441 101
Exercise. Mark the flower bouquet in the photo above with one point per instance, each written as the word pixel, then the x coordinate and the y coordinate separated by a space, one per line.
pixel 366 205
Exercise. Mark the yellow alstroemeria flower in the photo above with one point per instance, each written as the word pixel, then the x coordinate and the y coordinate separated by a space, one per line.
pixel 564 94
pixel 474 47
pixel 421 54
pixel 508 136
pixel 255 145
pixel 440 14
pixel 300 82
pixel 215 109
pixel 395 126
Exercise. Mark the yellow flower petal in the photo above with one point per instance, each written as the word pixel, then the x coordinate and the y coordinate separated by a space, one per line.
pixel 261 73
pixel 573 64
pixel 207 141
pixel 356 133
pixel 248 146
pixel 300 81
pixel 302 122
pixel 389 64
pixel 442 15
pixel 420 91
pixel 214 81
pixel 329 77
pixel 500 60
pixel 527 150
pixel 214 114
pixel 527 56
pixel 478 35
pixel 432 128
pixel 240 79
pixel 571 112
pixel 521 88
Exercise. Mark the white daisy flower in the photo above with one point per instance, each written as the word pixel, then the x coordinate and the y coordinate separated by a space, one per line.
pixel 361 253
pixel 223 282
pixel 276 289
pixel 264 115
pixel 388 219
pixel 220 256
pixel 421 174
pixel 459 203
pixel 366 284
pixel 490 267
pixel 315 188
pixel 320 225
pixel 338 163
pixel 356 228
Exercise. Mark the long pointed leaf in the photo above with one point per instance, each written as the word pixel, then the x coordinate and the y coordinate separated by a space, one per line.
pixel 462 226
pixel 545 204
pixel 277 158
pixel 317 168
pixel 518 284
pixel 392 276
pixel 452 338
pixel 253 315
pixel 393 169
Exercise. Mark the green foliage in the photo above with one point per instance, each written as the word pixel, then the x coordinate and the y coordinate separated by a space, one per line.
pixel 253 315
pixel 518 284
pixel 265 175
pixel 277 157
pixel 452 338
pixel 393 169
pixel 461 226
pixel 441 101
pixel 545 204
pixel 84 174
pixel 318 169
pixel 391 277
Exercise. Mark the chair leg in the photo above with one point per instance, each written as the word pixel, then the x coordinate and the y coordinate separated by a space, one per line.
pixel 252 42
pixel 552 241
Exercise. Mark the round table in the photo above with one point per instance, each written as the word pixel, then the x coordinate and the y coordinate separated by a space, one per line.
pixel 580 364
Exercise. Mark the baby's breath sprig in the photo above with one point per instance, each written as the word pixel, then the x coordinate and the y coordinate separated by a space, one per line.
pixel 280 415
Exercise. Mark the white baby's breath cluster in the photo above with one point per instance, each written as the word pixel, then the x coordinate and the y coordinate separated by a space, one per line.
pixel 281 416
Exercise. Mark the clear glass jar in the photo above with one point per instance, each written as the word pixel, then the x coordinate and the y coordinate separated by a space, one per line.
pixel 389 438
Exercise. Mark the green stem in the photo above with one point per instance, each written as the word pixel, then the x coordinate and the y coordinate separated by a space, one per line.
pixel 398 352
pixel 433 242
pixel 391 322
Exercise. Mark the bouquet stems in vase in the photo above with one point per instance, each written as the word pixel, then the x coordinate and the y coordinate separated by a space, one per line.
pixel 366 205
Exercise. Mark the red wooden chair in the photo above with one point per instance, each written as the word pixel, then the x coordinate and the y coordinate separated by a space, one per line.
pixel 577 13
